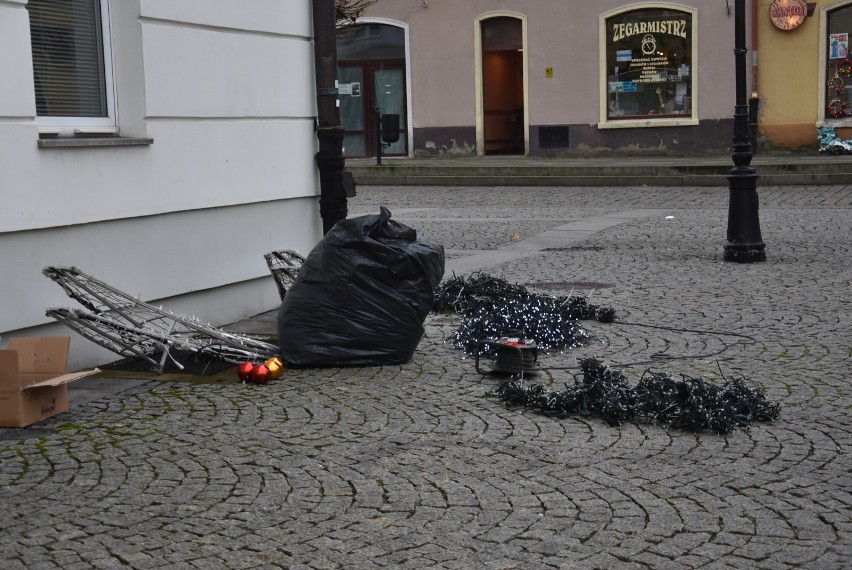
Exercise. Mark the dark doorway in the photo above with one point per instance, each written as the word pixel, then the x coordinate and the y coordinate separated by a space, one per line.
pixel 503 86
pixel 371 74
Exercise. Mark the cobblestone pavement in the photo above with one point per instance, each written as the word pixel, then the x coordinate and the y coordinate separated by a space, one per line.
pixel 419 466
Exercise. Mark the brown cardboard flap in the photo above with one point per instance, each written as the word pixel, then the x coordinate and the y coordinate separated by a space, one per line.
pixel 59 380
pixel 41 355
pixel 9 378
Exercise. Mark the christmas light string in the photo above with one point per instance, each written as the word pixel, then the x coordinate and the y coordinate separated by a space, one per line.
pixel 691 404
pixel 493 308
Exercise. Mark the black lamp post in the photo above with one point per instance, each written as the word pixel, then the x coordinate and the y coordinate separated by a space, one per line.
pixel 744 244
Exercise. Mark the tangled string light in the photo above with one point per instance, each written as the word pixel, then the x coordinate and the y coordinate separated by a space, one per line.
pixel 492 307
pixel 691 404
pixel 830 143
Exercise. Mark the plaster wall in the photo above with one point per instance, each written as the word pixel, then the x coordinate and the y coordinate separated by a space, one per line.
pixel 792 80
pixel 788 80
pixel 226 95
pixel 562 35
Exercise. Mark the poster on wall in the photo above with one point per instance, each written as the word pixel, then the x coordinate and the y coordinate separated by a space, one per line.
pixel 838 46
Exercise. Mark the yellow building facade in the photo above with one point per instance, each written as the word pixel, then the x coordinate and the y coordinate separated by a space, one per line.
pixel 802 70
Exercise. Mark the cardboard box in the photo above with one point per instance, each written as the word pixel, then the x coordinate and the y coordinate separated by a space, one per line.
pixel 33 383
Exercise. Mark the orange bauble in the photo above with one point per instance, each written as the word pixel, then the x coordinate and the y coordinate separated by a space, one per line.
pixel 275 366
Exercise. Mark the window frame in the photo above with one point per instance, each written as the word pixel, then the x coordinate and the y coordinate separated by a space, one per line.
pixel 823 120
pixel 108 125
pixel 691 119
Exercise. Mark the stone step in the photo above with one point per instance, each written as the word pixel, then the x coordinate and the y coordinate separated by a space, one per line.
pixel 616 171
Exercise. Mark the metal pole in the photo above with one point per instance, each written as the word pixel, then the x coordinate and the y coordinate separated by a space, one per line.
pixel 329 159
pixel 745 244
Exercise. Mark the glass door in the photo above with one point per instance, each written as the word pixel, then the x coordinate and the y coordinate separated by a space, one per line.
pixel 389 90
pixel 371 78
pixel 366 89
pixel 352 111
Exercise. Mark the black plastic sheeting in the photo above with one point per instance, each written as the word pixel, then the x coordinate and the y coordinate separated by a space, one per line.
pixel 361 296
pixel 691 404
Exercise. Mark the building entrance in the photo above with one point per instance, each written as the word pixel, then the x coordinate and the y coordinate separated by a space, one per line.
pixel 371 77
pixel 503 85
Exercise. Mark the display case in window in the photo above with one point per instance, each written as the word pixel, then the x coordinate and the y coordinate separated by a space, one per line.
pixel 649 64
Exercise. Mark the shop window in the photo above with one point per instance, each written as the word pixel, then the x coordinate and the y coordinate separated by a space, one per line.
pixel 649 65
pixel 72 67
pixel 839 64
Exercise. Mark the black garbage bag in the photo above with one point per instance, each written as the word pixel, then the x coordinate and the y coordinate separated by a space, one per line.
pixel 361 296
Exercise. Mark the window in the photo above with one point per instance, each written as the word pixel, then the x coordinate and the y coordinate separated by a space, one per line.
pixel 839 65
pixel 648 65
pixel 72 67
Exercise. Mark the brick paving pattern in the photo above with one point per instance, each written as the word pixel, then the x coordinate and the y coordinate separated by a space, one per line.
pixel 419 466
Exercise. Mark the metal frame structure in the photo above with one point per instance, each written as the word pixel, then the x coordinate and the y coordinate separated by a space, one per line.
pixel 129 327
pixel 284 265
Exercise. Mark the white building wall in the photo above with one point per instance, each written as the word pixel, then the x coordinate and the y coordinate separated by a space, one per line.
pixel 225 90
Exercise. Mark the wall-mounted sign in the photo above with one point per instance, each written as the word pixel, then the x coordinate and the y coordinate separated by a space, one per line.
pixel 788 14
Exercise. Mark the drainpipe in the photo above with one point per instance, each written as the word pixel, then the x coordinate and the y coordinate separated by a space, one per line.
pixel 754 97
pixel 329 159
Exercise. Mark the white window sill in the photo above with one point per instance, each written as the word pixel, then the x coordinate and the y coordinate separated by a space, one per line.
pixel 644 123
pixel 836 123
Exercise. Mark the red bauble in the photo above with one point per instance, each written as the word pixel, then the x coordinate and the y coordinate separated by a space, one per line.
pixel 260 374
pixel 244 371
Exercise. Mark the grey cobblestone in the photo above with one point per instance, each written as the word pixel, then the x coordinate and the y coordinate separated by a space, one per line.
pixel 418 466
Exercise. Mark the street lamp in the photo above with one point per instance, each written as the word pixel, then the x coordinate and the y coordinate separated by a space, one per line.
pixel 744 244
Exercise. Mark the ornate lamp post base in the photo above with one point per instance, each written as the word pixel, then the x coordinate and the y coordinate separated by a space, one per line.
pixel 747 253
pixel 744 244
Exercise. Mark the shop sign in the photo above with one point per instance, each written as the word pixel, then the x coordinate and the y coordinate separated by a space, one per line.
pixel 788 14
pixel 625 30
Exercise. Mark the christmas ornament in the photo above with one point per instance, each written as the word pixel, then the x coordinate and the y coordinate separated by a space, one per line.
pixel 275 365
pixel 260 374
pixel 836 84
pixel 244 371
pixel 836 108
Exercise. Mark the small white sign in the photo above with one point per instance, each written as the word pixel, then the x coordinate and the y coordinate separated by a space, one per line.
pixel 624 55
pixel 344 89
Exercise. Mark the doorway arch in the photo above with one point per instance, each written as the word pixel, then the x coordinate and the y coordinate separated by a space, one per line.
pixel 373 71
pixel 502 109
